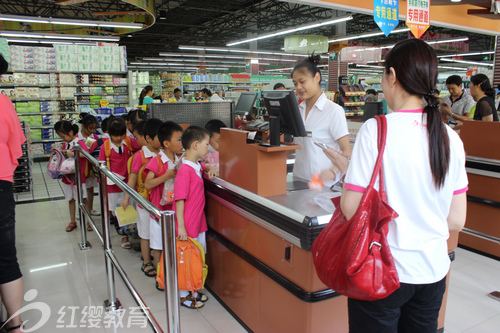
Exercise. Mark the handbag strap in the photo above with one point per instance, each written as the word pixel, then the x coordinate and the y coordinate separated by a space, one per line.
pixel 378 170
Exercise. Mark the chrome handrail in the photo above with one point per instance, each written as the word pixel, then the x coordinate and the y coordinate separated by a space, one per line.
pixel 167 220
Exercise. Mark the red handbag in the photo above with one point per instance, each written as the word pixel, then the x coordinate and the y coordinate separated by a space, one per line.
pixel 353 257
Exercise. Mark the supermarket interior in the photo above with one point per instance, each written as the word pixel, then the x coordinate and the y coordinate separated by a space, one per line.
pixel 228 67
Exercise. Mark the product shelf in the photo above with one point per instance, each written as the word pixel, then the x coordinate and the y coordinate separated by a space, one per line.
pixel 355 93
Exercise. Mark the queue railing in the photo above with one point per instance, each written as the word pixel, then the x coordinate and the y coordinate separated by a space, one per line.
pixel 167 221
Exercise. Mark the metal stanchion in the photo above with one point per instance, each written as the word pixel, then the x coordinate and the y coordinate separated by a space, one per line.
pixel 170 271
pixel 112 304
pixel 84 244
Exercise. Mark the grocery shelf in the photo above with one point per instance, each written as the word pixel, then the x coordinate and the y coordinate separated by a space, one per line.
pixel 41 99
pixel 44 113
pixel 355 93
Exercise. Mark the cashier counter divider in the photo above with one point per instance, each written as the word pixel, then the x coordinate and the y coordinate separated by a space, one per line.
pixel 259 242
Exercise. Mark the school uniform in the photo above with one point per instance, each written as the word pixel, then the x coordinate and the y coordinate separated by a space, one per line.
pixel 118 160
pixel 91 181
pixel 142 214
pixel 155 238
pixel 68 181
pixel 189 187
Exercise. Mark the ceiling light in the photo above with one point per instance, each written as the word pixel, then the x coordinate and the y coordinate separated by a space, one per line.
pixel 22 41
pixel 48 20
pixel 223 49
pixel 372 34
pixel 468 62
pixel 465 54
pixel 59 36
pixel 452 40
pixel 287 31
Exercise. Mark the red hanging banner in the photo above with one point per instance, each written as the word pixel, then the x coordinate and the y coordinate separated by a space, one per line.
pixel 418 16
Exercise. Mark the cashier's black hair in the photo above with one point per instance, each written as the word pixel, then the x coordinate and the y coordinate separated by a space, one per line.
pixel 166 130
pixel 278 85
pixel 4 65
pixel 415 64
pixel 117 127
pixel 176 90
pixel 214 126
pixel 151 127
pixel 310 64
pixel 192 134
pixel 65 127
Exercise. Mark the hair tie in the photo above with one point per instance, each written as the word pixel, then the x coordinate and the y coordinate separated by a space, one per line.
pixel 431 93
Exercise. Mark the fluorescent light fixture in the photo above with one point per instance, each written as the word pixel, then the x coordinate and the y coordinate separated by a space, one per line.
pixel 49 20
pixel 22 41
pixel 367 35
pixel 59 36
pixel 454 68
pixel 465 54
pixel 288 31
pixel 224 49
pixel 452 40
pixel 468 62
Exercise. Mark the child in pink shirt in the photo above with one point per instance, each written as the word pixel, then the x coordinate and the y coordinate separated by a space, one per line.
pixel 189 196
pixel 145 132
pixel 160 169
pixel 213 127
pixel 119 153
pixel 69 134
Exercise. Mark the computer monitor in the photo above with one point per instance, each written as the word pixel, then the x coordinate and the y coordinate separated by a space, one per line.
pixel 282 105
pixel 245 104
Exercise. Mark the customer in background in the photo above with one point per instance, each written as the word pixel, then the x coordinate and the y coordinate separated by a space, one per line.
pixel 483 94
pixel 146 96
pixel 279 86
pixel 426 184
pixel 11 281
pixel 207 94
pixel 457 104
pixel 324 119
pixel 371 95
pixel 177 95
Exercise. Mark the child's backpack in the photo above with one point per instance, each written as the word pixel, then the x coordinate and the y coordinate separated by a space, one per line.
pixel 191 267
pixel 107 149
pixel 59 166
pixel 141 176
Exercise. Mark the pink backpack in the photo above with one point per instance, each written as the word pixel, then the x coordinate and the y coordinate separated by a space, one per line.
pixel 59 165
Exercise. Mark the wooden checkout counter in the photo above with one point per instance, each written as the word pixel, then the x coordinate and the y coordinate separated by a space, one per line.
pixel 259 242
pixel 482 146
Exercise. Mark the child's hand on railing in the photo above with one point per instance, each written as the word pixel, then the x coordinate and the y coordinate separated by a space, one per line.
pixel 212 172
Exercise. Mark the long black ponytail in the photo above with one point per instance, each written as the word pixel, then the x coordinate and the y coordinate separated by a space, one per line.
pixel 415 64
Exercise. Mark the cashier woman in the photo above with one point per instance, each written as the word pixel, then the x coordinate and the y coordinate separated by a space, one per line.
pixel 325 121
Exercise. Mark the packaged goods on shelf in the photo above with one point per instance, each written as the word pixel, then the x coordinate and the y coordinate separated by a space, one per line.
pixel 6 78
pixel 20 78
pixel 67 92
pixel 44 79
pixel 21 92
pixel 37 149
pixel 5 49
pixel 33 93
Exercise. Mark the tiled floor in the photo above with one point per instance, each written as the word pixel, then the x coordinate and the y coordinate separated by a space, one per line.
pixel 73 282
pixel 44 187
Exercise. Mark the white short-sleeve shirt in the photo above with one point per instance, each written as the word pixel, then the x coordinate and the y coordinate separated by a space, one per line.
pixel 327 123
pixel 418 237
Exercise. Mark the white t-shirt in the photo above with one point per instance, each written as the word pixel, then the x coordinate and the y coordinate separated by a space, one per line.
pixel 326 122
pixel 216 98
pixel 418 236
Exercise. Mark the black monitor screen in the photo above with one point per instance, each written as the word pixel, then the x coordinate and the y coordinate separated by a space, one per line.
pixel 245 104
pixel 283 103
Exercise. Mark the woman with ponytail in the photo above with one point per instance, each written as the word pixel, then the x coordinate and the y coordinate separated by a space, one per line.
pixel 426 184
pixel 324 119
pixel 483 94
pixel 146 96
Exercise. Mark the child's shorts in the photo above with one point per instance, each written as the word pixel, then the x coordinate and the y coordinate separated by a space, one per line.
pixel 115 199
pixel 155 238
pixel 91 182
pixel 70 191
pixel 142 222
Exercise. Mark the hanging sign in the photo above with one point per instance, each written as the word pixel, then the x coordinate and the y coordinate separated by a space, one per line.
pixel 386 14
pixel 418 16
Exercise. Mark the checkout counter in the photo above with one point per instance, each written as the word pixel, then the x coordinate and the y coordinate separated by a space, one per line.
pixel 259 241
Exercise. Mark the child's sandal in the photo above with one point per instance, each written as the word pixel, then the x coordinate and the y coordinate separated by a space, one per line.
pixel 194 304
pixel 71 226
pixel 149 269
pixel 200 297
